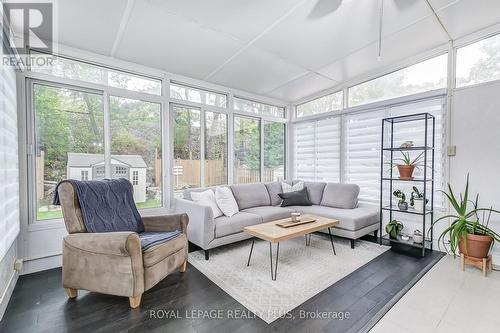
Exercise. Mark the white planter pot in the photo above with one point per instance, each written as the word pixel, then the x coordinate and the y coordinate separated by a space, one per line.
pixel 418 204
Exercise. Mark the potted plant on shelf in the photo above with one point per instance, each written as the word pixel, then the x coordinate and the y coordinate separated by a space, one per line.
pixel 394 228
pixel 469 231
pixel 406 165
pixel 402 204
pixel 417 199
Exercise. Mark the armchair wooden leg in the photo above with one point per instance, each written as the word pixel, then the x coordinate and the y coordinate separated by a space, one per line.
pixel 135 301
pixel 183 267
pixel 72 293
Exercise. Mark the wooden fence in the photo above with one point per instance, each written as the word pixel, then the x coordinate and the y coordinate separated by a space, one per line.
pixel 215 174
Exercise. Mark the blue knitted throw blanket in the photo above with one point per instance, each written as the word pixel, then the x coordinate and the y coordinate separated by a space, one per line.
pixel 107 205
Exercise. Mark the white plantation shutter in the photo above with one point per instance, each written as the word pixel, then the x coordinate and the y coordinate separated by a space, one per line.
pixel 361 147
pixel 305 151
pixel 362 140
pixel 9 172
pixel 328 149
pixel 415 131
pixel 317 150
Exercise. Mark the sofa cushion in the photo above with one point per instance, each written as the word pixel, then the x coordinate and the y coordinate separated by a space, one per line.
pixel 287 188
pixel 226 225
pixel 350 219
pixel 340 195
pixel 299 198
pixel 274 189
pixel 207 198
pixel 314 190
pixel 226 201
pixel 251 195
pixel 157 253
pixel 270 213
pixel 186 194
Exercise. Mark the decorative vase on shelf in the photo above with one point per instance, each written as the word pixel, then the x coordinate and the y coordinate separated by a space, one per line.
pixel 403 205
pixel 418 204
pixel 406 171
pixel 418 237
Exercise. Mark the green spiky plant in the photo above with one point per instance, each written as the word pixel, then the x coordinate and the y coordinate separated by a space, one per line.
pixel 407 160
pixel 465 220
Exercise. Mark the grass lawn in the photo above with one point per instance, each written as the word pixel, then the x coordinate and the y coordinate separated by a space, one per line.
pixel 151 203
pixel 57 214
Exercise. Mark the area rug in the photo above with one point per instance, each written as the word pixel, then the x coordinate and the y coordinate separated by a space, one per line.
pixel 303 271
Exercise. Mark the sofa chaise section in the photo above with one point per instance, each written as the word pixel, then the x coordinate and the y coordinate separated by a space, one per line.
pixel 354 223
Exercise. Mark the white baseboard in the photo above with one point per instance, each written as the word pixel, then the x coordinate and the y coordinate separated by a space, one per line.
pixel 4 300
pixel 41 264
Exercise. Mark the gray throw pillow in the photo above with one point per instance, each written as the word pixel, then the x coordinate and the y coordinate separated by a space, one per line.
pixel 296 198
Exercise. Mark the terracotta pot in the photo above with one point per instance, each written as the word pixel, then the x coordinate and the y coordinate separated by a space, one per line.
pixel 406 171
pixel 478 246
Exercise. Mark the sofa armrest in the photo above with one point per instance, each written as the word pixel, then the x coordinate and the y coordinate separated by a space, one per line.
pixel 168 222
pixel 109 263
pixel 201 227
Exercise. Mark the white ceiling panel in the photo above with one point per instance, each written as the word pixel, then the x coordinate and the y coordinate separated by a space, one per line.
pixel 256 71
pixel 467 16
pixel 157 39
pixel 399 14
pixel 425 35
pixel 91 25
pixel 315 40
pixel 303 86
pixel 243 19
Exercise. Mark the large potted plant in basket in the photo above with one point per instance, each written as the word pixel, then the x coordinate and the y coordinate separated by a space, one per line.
pixel 469 231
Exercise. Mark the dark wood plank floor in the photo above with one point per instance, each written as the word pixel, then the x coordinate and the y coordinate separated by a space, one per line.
pixel 39 304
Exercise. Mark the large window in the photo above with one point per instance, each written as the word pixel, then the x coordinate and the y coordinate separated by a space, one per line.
pixel 362 139
pixel 83 71
pixel 361 152
pixel 264 109
pixel 136 148
pixel 479 62
pixel 424 76
pixel 321 155
pixel 197 95
pixel 274 152
pixel 187 148
pixel 69 140
pixel 215 149
pixel 317 150
pixel 331 102
pixel 246 150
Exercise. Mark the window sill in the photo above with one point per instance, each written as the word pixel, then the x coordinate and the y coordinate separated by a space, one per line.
pixel 59 223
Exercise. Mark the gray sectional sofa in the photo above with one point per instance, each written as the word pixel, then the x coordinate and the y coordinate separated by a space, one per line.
pixel 259 203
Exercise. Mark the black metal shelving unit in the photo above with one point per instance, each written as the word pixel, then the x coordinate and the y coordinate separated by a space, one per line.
pixel 389 125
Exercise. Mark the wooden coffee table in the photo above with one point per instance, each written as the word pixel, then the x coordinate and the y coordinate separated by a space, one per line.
pixel 275 234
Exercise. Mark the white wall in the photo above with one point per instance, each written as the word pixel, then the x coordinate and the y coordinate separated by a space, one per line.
pixel 9 182
pixel 8 276
pixel 475 120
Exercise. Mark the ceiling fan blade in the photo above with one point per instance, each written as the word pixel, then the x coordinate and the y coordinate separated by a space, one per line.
pixel 324 8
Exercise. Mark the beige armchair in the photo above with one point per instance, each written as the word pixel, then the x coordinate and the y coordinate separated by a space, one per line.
pixel 113 263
